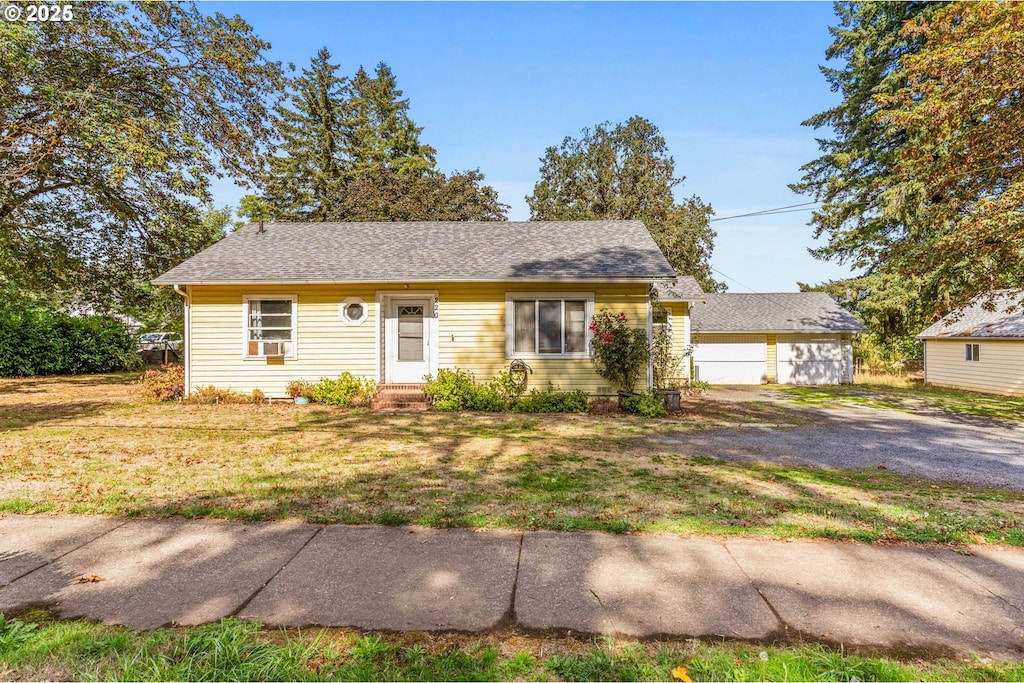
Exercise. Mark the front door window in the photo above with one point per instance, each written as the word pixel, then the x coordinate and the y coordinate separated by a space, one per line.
pixel 410 333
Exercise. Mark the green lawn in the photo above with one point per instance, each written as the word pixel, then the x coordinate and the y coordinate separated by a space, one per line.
pixel 89 445
pixel 910 397
pixel 40 649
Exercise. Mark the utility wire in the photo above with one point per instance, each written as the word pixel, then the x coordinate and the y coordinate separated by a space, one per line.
pixel 792 208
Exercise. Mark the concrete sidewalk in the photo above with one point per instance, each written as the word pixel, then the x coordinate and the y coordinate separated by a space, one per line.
pixel 153 572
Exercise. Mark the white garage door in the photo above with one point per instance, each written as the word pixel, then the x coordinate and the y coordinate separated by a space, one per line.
pixel 809 360
pixel 730 359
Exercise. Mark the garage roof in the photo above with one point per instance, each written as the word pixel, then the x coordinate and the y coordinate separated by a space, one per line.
pixel 777 312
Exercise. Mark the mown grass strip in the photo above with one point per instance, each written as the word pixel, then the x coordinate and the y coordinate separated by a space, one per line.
pixel 39 648
pixel 910 397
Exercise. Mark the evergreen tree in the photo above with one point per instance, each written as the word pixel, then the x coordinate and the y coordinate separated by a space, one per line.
pixel 847 177
pixel 379 131
pixel 311 155
pixel 350 152
pixel 624 172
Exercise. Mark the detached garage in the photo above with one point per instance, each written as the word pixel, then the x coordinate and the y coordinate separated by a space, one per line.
pixel 789 338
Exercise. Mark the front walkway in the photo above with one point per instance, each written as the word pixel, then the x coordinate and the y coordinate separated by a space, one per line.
pixel 148 573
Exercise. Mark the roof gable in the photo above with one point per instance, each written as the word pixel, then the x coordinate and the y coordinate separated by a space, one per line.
pixel 427 251
pixel 777 312
pixel 973 320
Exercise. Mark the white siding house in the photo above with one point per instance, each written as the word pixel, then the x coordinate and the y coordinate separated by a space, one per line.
pixel 978 349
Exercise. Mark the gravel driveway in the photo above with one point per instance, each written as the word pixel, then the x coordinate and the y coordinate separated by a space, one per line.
pixel 954 447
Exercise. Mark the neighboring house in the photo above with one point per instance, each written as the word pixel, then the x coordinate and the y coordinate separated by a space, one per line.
pixel 395 302
pixel 979 349
pixel 788 338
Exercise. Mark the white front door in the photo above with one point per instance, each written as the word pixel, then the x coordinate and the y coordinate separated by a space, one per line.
pixel 407 340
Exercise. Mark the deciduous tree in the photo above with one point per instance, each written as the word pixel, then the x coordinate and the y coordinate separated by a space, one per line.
pixel 381 194
pixel 112 125
pixel 625 172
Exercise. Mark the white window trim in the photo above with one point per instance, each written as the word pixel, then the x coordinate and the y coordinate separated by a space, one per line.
pixel 294 298
pixel 349 301
pixel 972 352
pixel 510 321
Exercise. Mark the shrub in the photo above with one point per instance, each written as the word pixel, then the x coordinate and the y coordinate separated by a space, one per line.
pixel 620 351
pixel 454 390
pixel 507 388
pixel 348 390
pixel 552 401
pixel 647 404
pixel 35 340
pixel 213 395
pixel 165 384
pixel 299 387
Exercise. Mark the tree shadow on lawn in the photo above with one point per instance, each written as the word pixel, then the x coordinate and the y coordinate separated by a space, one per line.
pixel 560 491
pixel 26 415
pixel 44 384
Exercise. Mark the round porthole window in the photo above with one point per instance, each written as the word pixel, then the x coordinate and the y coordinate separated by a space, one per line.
pixel 353 310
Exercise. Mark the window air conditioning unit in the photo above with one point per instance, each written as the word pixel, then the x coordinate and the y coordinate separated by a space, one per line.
pixel 273 348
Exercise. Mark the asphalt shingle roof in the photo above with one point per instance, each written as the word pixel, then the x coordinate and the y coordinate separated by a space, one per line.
pixel 685 288
pixel 974 321
pixel 782 312
pixel 426 251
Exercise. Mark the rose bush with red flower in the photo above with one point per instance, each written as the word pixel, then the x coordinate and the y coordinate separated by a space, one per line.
pixel 620 351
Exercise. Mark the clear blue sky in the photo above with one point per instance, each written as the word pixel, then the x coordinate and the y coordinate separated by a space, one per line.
pixel 494 84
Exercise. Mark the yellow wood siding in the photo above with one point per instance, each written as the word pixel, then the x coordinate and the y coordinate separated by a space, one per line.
pixel 325 346
pixel 772 363
pixel 679 317
pixel 1000 369
pixel 471 325
pixel 471 334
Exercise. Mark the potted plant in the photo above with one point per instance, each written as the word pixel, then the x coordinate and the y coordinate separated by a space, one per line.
pixel 620 351
pixel 299 390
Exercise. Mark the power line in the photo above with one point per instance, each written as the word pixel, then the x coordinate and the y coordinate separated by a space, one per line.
pixel 792 208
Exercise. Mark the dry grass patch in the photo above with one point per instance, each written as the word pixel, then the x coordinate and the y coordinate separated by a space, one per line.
pixel 90 445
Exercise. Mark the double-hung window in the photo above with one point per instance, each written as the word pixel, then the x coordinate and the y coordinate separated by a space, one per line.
pixel 269 326
pixel 542 325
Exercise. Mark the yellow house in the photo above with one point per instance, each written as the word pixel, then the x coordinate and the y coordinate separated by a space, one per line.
pixel 980 346
pixel 395 302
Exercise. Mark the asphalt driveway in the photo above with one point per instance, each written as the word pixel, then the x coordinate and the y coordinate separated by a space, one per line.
pixel 946 447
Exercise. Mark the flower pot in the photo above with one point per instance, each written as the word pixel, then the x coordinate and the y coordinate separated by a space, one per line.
pixel 671 398
pixel 623 395
pixel 301 401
